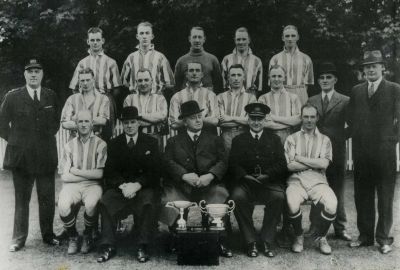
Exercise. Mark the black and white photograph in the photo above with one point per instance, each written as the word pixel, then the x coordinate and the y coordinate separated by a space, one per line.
pixel 199 134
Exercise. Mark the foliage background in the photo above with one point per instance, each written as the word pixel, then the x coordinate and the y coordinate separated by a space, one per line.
pixel 55 30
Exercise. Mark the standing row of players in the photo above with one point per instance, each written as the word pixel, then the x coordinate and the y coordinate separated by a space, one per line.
pixel 308 152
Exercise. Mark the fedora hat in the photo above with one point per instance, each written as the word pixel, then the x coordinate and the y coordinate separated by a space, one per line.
pixel 257 109
pixel 372 57
pixel 189 108
pixel 327 67
pixel 129 113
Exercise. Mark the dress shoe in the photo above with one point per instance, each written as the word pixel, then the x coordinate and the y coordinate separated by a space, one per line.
pixel 225 251
pixel 15 247
pixel 385 249
pixel 324 246
pixel 87 244
pixel 359 243
pixel 343 235
pixel 52 241
pixel 268 251
pixel 73 245
pixel 141 254
pixel 106 254
pixel 252 250
pixel 298 243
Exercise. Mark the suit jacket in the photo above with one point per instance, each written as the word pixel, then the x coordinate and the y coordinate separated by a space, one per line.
pixel 332 122
pixel 374 120
pixel 31 135
pixel 182 156
pixel 268 153
pixel 138 164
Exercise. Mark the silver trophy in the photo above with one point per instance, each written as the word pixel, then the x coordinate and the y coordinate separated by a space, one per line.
pixel 217 211
pixel 181 205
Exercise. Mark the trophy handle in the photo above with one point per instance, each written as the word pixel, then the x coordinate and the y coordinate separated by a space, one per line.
pixel 232 205
pixel 170 204
pixel 193 204
pixel 202 206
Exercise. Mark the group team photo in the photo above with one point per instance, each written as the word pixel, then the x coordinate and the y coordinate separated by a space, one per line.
pixel 216 136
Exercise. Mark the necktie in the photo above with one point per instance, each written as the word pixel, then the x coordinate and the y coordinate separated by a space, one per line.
pixel 371 90
pixel 131 143
pixel 325 103
pixel 195 137
pixel 35 97
pixel 256 137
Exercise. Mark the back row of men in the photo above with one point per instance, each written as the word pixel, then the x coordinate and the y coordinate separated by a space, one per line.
pixel 195 158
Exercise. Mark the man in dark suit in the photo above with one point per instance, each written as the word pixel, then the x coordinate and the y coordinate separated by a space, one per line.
pixel 332 108
pixel 132 183
pixel 31 152
pixel 196 163
pixel 257 166
pixel 374 114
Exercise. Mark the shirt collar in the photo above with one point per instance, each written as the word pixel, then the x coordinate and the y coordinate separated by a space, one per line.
pixel 31 91
pixel 253 134
pixel 241 91
pixel 280 91
pixel 199 87
pixel 296 50
pixel 329 94
pixel 92 54
pixel 128 138
pixel 316 131
pixel 249 51
pixel 191 134
pixel 375 83
pixel 90 136
pixel 151 47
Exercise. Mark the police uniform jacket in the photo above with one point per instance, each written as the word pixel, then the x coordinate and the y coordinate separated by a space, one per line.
pixel 30 130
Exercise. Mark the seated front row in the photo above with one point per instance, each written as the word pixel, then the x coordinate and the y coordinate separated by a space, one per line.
pixel 195 166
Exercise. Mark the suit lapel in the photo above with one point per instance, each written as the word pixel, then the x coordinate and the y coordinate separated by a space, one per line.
pixel 375 97
pixel 26 97
pixel 43 98
pixel 318 104
pixel 187 143
pixel 333 102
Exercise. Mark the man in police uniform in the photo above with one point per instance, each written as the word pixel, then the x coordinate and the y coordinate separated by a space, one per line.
pixel 28 122
pixel 260 176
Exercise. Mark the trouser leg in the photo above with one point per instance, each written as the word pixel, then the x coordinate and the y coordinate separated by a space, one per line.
pixel 46 196
pixel 23 184
pixel 275 201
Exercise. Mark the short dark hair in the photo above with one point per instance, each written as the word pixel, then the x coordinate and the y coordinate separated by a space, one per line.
pixel 197 28
pixel 276 66
pixel 290 26
pixel 142 70
pixel 194 62
pixel 243 29
pixel 309 105
pixel 86 71
pixel 236 66
pixel 145 23
pixel 93 30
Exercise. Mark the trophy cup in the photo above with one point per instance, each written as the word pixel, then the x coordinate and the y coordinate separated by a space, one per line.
pixel 181 205
pixel 217 211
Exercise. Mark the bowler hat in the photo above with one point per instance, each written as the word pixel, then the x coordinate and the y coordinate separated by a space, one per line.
pixel 327 67
pixel 257 109
pixel 33 62
pixel 372 57
pixel 189 108
pixel 129 113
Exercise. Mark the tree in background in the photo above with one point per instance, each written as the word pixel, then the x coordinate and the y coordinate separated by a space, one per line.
pixel 55 30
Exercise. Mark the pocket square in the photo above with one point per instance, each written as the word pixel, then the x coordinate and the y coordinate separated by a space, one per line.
pixel 147 152
pixel 48 107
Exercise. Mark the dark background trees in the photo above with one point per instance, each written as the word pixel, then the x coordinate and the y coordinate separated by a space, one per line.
pixel 55 30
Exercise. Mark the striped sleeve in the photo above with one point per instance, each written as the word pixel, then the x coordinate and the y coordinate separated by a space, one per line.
pixel 174 108
pixel 309 72
pixel 224 68
pixel 126 72
pixel 74 84
pixel 66 160
pixel 212 103
pixel 296 105
pixel 166 72
pixel 221 103
pixel 259 75
pixel 162 106
pixel 115 79
pixel 101 155
pixel 68 110
pixel 326 149
pixel 290 149
pixel 105 107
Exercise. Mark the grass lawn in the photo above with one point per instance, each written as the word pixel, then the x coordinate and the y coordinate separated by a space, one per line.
pixel 37 255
